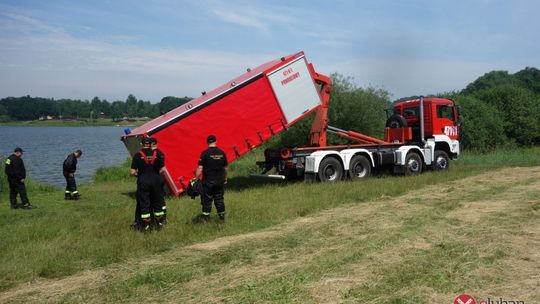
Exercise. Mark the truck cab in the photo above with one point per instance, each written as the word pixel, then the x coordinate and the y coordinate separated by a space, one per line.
pixel 439 117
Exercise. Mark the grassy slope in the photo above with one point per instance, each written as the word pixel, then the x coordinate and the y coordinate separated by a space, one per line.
pixel 61 238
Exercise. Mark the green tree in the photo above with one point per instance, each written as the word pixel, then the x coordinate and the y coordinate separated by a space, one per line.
pixel 117 110
pixel 351 108
pixel 483 126
pixel 519 108
pixel 170 102
pixel 95 107
pixel 105 108
pixel 529 78
pixel 131 106
pixel 490 80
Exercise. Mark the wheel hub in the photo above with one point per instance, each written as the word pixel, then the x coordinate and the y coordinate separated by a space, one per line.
pixel 413 165
pixel 359 170
pixel 330 173
pixel 441 162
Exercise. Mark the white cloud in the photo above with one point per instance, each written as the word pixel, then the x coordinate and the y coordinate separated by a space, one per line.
pixel 261 18
pixel 237 18
pixel 41 60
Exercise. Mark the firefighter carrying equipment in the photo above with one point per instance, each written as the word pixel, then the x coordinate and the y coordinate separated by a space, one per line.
pixel 194 188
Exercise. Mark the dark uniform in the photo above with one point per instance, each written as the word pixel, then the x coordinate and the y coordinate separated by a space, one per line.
pixel 161 156
pixel 16 173
pixel 69 167
pixel 149 193
pixel 213 160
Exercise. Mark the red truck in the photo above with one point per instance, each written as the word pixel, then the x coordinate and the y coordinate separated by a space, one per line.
pixel 252 108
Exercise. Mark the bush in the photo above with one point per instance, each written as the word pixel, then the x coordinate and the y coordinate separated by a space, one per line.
pixel 351 108
pixel 361 110
pixel 520 110
pixel 4 118
pixel 483 125
pixel 296 135
pixel 117 173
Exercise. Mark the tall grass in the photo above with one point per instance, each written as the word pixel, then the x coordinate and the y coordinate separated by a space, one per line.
pixel 3 178
pixel 63 237
pixel 116 173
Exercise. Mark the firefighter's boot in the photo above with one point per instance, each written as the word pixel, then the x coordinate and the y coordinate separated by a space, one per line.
pixel 164 217
pixel 146 225
pixel 202 218
pixel 13 203
pixel 75 195
pixel 27 206
pixel 221 217
pixel 158 222
pixel 67 196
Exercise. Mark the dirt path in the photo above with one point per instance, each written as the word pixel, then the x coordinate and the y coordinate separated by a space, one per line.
pixel 331 232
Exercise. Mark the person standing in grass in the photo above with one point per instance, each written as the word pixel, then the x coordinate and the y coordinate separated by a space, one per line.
pixel 69 167
pixel 16 174
pixel 146 166
pixel 154 146
pixel 213 168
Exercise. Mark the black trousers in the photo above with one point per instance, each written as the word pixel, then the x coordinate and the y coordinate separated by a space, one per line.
pixel 138 207
pixel 16 187
pixel 71 185
pixel 149 197
pixel 212 193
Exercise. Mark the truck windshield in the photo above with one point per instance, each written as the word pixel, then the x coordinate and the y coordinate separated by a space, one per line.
pixel 444 111
pixel 390 112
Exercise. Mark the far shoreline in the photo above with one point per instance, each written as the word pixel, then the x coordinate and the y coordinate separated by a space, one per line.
pixel 101 122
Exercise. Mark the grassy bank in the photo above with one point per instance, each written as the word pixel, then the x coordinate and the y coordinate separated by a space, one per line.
pixel 61 237
pixel 76 122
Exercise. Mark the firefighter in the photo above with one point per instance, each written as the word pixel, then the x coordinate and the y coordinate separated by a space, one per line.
pixel 213 167
pixel 68 168
pixel 147 167
pixel 16 174
pixel 136 224
pixel 154 146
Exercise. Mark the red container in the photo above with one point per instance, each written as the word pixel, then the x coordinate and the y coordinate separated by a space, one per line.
pixel 242 114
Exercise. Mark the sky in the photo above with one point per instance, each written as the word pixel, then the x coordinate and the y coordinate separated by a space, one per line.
pixel 157 48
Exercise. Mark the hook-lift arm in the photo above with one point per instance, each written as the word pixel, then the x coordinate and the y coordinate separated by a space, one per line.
pixel 320 123
pixel 319 127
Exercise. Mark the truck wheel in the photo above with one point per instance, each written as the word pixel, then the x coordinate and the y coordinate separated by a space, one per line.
pixel 330 170
pixel 360 167
pixel 441 161
pixel 396 121
pixel 413 164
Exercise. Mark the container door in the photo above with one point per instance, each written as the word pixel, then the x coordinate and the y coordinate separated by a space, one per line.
pixel 294 89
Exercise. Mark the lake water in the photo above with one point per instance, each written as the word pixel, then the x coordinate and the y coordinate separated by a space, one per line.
pixel 47 147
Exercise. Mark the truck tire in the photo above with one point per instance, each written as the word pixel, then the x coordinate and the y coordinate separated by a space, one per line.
pixel 441 161
pixel 360 167
pixel 330 170
pixel 396 121
pixel 413 164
